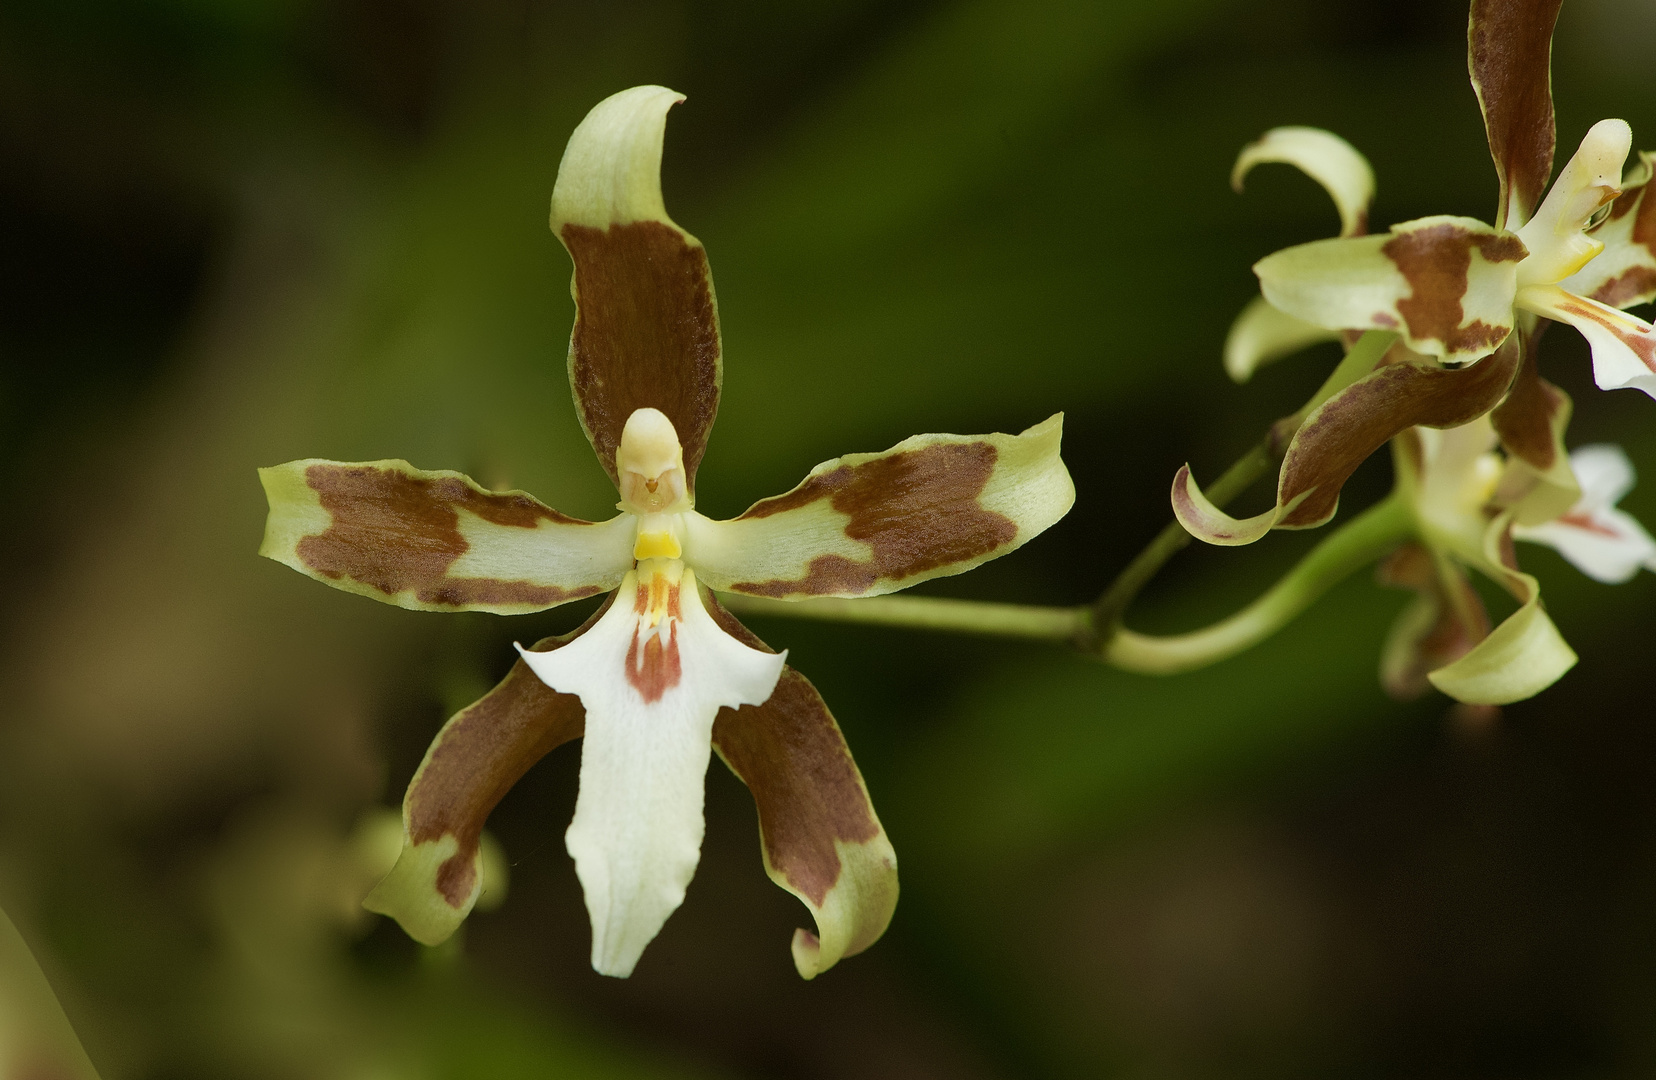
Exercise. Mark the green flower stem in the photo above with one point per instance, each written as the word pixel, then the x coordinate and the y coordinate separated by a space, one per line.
pixel 1358 543
pixel 1027 621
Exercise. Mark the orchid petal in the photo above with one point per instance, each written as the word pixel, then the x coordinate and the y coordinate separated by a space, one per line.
pixel 1556 237
pixel 1509 55
pixel 1624 273
pixel 36 1040
pixel 819 836
pixel 1261 335
pixel 646 322
pixel 1539 484
pixel 1445 283
pixel 1443 623
pixel 1604 543
pixel 477 757
pixel 1522 656
pixel 1624 347
pixel 1343 431
pixel 866 524
pixel 652 673
pixel 435 541
pixel 1324 157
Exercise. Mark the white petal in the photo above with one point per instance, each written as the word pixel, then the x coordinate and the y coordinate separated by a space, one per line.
pixel 1608 546
pixel 1324 157
pixel 637 832
pixel 1605 475
pixel 1624 347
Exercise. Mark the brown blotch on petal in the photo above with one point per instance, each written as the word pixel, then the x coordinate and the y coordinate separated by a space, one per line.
pixel 917 509
pixel 791 755
pixel 646 334
pixel 1524 421
pixel 1509 53
pixel 396 532
pixel 1436 261
pixel 1354 423
pixel 480 754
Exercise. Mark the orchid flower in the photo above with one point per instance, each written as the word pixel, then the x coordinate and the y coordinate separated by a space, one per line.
pixel 661 675
pixel 1459 490
pixel 1458 304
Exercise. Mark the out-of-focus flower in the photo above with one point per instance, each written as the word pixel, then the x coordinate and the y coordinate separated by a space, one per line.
pixel 661 675
pixel 1602 542
pixel 1465 300
pixel 36 1041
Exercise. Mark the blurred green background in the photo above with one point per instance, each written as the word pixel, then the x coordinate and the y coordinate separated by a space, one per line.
pixel 237 232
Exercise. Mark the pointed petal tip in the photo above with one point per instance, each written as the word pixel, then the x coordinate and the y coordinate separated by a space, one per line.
pixel 1206 522
pixel 611 170
pixel 411 893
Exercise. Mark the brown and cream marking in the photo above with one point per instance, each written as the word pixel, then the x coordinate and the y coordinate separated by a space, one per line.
pixel 1509 55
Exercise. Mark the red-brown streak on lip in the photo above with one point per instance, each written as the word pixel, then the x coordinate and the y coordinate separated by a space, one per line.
pixel 1643 347
pixel 659 670
pixel 917 509
pixel 1450 637
pixel 1435 261
pixel 1510 53
pixel 481 753
pixel 1587 524
pixel 1359 420
pixel 790 753
pixel 1524 420
pixel 1626 286
pixel 396 532
pixel 646 334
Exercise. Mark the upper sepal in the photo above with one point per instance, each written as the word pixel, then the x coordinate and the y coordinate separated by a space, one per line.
pixel 1509 56
pixel 435 541
pixel 646 321
pixel 866 524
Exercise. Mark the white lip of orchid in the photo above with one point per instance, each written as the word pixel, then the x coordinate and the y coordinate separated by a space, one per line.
pixel 650 466
pixel 1555 238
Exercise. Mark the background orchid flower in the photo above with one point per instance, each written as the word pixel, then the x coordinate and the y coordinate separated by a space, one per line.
pixel 661 675
pixel 1459 294
pixel 1604 543
pixel 1449 480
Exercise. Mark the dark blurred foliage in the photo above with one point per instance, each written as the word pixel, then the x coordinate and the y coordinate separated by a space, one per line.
pixel 242 231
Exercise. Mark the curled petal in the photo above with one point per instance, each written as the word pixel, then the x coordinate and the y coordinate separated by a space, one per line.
pixel 652 673
pixel 435 541
pixel 1443 623
pixel 1624 347
pixel 1539 484
pixel 36 1041
pixel 1522 656
pixel 477 757
pixel 866 524
pixel 646 323
pixel 819 836
pixel 1324 157
pixel 1509 54
pixel 1344 430
pixel 1261 334
pixel 1604 543
pixel 1624 273
pixel 1445 283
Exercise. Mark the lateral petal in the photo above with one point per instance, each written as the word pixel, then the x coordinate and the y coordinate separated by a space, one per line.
pixel 1445 283
pixel 866 524
pixel 481 752
pixel 1261 335
pixel 435 541
pixel 36 1041
pixel 1343 431
pixel 1624 273
pixel 1624 347
pixel 1522 656
pixel 1323 156
pixel 819 836
pixel 651 692
pixel 1539 483
pixel 1443 623
pixel 646 322
pixel 1509 55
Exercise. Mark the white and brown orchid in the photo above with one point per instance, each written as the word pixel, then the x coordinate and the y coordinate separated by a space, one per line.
pixel 661 675
pixel 1465 301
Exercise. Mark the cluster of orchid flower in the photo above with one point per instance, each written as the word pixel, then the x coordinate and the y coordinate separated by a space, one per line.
pixel 1440 318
